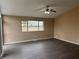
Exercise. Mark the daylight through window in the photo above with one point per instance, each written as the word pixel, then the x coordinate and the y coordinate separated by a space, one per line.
pixel 30 25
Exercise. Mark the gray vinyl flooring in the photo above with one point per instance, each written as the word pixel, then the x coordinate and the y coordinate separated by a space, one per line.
pixel 44 49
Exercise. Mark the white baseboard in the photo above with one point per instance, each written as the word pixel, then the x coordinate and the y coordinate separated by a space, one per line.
pixel 42 39
pixel 28 40
pixel 69 41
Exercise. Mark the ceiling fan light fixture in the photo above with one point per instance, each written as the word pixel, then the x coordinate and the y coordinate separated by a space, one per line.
pixel 47 12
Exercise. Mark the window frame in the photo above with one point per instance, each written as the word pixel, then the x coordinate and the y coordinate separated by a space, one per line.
pixel 37 26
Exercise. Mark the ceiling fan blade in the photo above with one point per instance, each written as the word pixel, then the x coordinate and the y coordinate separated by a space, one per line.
pixel 52 10
pixel 40 9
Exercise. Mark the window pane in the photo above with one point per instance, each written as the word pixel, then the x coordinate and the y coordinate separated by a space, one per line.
pixel 32 25
pixel 32 28
pixel 41 25
pixel 23 22
pixel 24 29
pixel 24 26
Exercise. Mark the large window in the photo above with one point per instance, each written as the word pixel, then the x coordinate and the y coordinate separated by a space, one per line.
pixel 30 25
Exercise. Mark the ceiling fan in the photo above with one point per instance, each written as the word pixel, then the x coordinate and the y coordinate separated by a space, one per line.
pixel 49 10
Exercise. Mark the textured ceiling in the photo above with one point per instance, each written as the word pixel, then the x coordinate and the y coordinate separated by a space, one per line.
pixel 31 7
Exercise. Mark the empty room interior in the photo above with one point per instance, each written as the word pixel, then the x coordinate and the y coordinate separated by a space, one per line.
pixel 39 29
